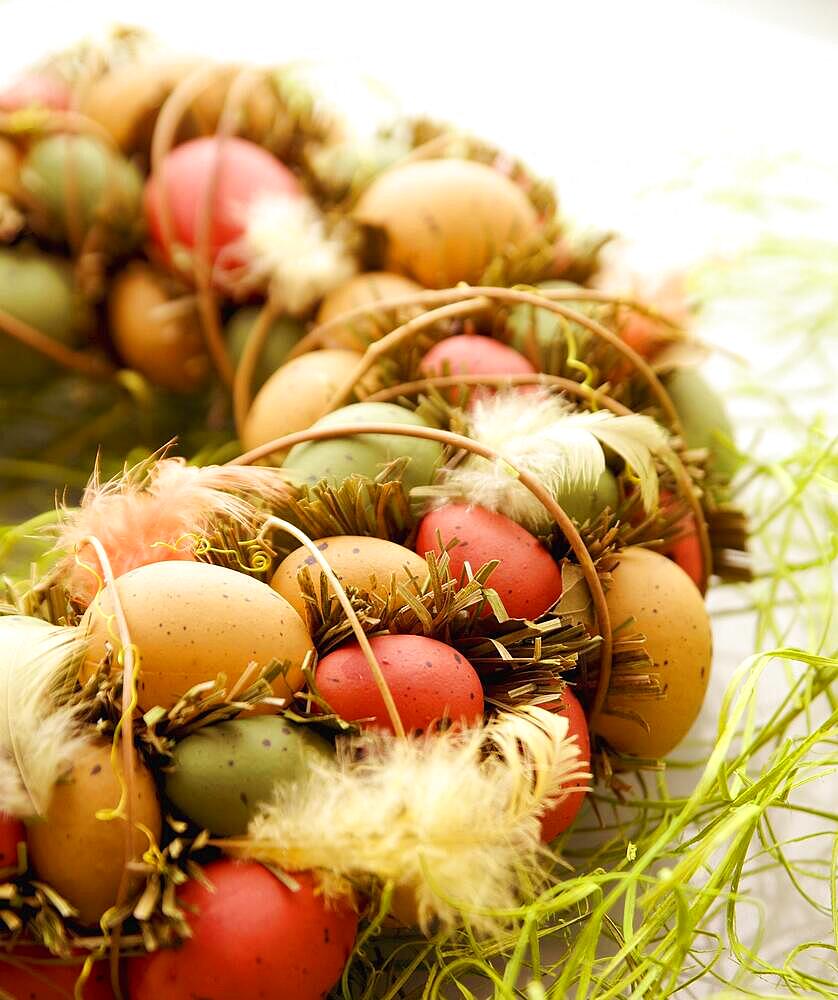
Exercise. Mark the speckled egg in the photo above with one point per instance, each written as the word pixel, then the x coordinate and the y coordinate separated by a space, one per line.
pixel 558 817
pixel 471 354
pixel 668 610
pixel 444 221
pixel 704 417
pixel 527 579
pixel 429 681
pixel 71 831
pixel 368 564
pixel 192 621
pixel 365 454
pixel 361 290
pixel 283 335
pixel 296 395
pixel 587 504
pixel 221 773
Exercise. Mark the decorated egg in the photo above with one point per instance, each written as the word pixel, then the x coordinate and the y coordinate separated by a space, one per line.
pixel 663 604
pixel 154 334
pixel 296 395
pixel 70 831
pixel 32 973
pixel 39 290
pixel 444 221
pixel 471 354
pixel 362 290
pixel 252 936
pixel 429 681
pixel 372 565
pixel 558 817
pixel 283 334
pixel 12 833
pixel 76 182
pixel 221 773
pixel 365 454
pixel 704 418
pixel 527 579
pixel 236 172
pixel 192 621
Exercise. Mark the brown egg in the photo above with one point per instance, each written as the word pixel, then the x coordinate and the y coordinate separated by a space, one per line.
pixel 669 610
pixel 83 857
pixel 446 220
pixel 296 395
pixel 368 564
pixel 192 621
pixel 362 290
pixel 154 334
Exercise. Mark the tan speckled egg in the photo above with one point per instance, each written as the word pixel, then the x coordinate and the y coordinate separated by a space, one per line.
pixel 164 344
pixel 83 857
pixel 362 290
pixel 296 395
pixel 369 564
pixel 446 220
pixel 669 610
pixel 191 621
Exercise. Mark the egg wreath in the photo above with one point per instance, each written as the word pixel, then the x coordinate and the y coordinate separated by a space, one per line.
pixel 261 718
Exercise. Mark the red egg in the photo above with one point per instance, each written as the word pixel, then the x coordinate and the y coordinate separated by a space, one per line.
pixel 528 580
pixel 252 937
pixel 38 978
pixel 685 549
pixel 241 173
pixel 12 833
pixel 557 819
pixel 428 680
pixel 36 90
pixel 471 354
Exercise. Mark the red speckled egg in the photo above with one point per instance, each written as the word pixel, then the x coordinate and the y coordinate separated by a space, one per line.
pixel 251 938
pixel 528 580
pixel 241 172
pixel 471 354
pixel 12 833
pixel 428 680
pixel 38 978
pixel 558 818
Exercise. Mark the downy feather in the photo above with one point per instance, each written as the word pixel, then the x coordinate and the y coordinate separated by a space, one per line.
pixel 156 511
pixel 39 734
pixel 452 817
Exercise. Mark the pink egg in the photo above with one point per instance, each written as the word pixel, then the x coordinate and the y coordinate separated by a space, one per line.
pixel 471 354
pixel 558 818
pixel 36 90
pixel 527 580
pixel 429 681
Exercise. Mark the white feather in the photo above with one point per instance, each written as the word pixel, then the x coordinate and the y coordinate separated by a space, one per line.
pixel 39 736
pixel 451 818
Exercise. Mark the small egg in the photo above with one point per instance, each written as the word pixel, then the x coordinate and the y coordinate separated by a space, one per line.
pixel 527 579
pixel 296 395
pixel 362 290
pixel 164 344
pixel 586 505
pixel 429 681
pixel 79 855
pixel 536 331
pixel 220 774
pixel 365 454
pixel 368 564
pixel 192 621
pixel 283 335
pixel 445 220
pixel 669 611
pixel 704 417
pixel 559 816
pixel 471 354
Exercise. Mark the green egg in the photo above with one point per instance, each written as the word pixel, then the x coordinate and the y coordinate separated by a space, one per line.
pixel 533 330
pixel 78 180
pixel 586 505
pixel 39 290
pixel 283 335
pixel 222 773
pixel 365 454
pixel 704 417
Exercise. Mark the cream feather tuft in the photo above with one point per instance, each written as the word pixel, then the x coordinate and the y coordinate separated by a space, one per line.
pixel 543 434
pixel 156 511
pixel 453 818
pixel 39 734
pixel 288 246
